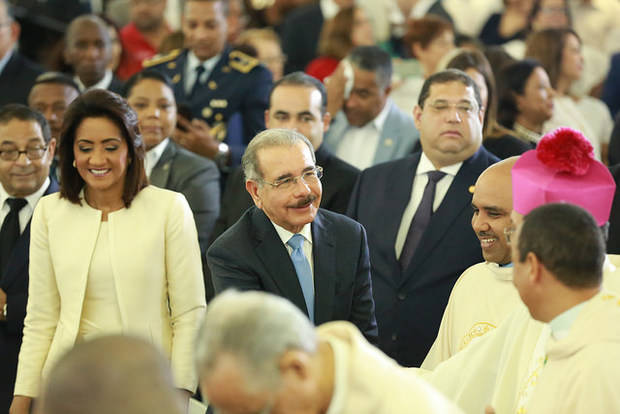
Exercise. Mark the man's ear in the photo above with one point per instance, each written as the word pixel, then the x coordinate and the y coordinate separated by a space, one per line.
pixel 295 364
pixel 327 119
pixel 417 114
pixel 251 187
pixel 267 118
pixel 536 269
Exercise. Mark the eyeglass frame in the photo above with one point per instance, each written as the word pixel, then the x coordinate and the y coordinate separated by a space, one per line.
pixel 25 152
pixel 317 171
pixel 475 108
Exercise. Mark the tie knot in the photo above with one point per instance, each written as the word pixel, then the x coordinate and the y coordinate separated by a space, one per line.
pixel 296 241
pixel 435 176
pixel 16 204
pixel 199 70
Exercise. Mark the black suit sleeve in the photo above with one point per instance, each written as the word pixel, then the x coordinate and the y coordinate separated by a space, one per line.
pixel 363 308
pixel 229 271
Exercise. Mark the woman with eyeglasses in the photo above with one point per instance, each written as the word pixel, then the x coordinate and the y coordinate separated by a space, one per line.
pixel 109 254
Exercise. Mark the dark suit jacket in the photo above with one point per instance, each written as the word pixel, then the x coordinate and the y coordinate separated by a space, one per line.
pixel 300 46
pixel 338 181
pixel 117 86
pixel 17 78
pixel 251 256
pixel 613 241
pixel 410 303
pixel 15 285
pixel 198 179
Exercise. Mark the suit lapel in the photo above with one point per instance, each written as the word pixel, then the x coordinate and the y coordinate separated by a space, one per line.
pixel 387 140
pixel 324 258
pixel 161 172
pixel 274 256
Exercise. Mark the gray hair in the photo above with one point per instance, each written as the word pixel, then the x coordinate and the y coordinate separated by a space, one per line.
pixel 373 59
pixel 275 137
pixel 256 328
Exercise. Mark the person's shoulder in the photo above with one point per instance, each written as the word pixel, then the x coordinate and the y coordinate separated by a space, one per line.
pixel 158 61
pixel 152 196
pixel 331 220
pixel 192 160
pixel 388 167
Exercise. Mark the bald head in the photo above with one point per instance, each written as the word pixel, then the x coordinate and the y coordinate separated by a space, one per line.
pixel 492 205
pixel 112 374
pixel 88 48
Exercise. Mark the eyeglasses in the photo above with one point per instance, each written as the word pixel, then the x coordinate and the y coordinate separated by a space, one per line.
pixel 509 233
pixel 309 177
pixel 33 153
pixel 465 108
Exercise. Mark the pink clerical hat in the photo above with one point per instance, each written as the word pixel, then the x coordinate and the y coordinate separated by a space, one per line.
pixel 563 169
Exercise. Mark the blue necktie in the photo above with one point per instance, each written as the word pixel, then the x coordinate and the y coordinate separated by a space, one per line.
pixel 304 273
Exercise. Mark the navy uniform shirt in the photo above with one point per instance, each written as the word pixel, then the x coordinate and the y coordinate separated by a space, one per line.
pixel 232 100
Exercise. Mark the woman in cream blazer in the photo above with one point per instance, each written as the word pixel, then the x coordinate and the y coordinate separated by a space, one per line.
pixel 151 253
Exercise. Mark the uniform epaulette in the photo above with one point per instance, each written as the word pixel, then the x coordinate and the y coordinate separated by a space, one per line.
pixel 157 59
pixel 242 62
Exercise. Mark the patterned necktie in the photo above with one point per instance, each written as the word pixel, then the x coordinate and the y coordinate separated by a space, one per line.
pixel 304 273
pixel 10 231
pixel 420 220
pixel 197 84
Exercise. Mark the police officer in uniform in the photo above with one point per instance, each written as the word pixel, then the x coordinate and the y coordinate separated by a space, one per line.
pixel 226 90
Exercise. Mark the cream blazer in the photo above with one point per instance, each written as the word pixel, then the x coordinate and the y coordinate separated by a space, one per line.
pixel 156 268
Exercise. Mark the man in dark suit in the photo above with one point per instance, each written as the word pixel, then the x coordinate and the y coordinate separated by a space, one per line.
pixel 226 90
pixel 417 212
pixel 88 49
pixel 288 246
pixel 26 152
pixel 17 74
pixel 297 101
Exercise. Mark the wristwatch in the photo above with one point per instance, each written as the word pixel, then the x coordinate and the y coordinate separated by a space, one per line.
pixel 222 158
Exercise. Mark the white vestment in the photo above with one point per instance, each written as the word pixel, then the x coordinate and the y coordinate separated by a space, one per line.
pixel 582 370
pixel 480 300
pixel 494 369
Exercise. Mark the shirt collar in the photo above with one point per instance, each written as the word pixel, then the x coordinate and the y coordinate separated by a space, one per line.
pixel 285 235
pixel 425 165
pixel 379 120
pixel 193 62
pixel 31 199
pixel 102 84
pixel 154 154
pixel 329 9
pixel 5 59
pixel 561 324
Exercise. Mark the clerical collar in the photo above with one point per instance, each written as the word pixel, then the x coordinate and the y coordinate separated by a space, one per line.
pixel 507 265
pixel 525 133
pixel 561 324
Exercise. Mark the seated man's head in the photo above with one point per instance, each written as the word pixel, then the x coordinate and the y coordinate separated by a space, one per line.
pixel 372 76
pixel 449 117
pixel 282 177
pixel 492 205
pixel 299 101
pixel 88 48
pixel 147 15
pixel 51 94
pixel 112 374
pixel 26 150
pixel 258 353
pixel 558 254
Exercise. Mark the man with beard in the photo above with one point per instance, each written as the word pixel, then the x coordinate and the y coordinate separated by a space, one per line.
pixel 368 128
pixel 287 245
pixel 143 35
pixel 88 51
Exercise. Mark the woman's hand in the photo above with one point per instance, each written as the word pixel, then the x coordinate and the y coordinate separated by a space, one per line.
pixel 20 405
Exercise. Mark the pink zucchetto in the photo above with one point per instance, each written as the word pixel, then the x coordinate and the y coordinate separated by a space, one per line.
pixel 563 169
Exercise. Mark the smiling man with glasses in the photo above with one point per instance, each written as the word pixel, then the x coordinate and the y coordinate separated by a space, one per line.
pixel 287 245
pixel 26 152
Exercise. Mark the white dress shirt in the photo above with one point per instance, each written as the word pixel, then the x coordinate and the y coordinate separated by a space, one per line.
pixel 419 184
pixel 104 83
pixel 359 144
pixel 26 212
pixel 153 155
pixel 306 231
pixel 190 69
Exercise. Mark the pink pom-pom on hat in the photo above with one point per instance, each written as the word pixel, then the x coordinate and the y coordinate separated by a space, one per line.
pixel 563 169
